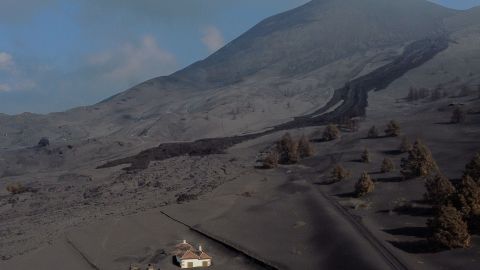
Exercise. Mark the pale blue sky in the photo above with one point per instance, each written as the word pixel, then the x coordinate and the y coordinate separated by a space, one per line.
pixel 58 54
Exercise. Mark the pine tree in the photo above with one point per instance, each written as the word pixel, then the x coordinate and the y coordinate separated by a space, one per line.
pixel 305 147
pixel 364 185
pixel 420 162
pixel 405 146
pixel 467 198
pixel 271 160
pixel 439 190
pixel 373 132
pixel 331 133
pixel 288 149
pixel 448 229
pixel 365 157
pixel 473 168
pixel 339 173
pixel 387 166
pixel 458 116
pixel 393 129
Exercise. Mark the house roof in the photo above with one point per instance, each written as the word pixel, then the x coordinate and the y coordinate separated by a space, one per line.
pixel 185 251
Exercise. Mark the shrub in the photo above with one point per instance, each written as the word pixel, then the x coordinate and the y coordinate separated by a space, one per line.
pixel 365 157
pixel 439 190
pixel 373 133
pixel 473 168
pixel 387 166
pixel 331 133
pixel 339 173
pixel 16 188
pixel 44 142
pixel 185 197
pixel 458 115
pixel 305 147
pixel 364 185
pixel 271 160
pixel 405 146
pixel 393 129
pixel 288 149
pixel 448 229
pixel 419 162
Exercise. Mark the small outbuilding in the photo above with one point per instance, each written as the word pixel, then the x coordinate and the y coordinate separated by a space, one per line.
pixel 189 257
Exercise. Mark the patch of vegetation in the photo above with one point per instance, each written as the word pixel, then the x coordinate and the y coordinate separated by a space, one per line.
pixel 185 197
pixel 365 157
pixel 393 129
pixel 305 147
pixel 472 169
pixel 339 173
pixel 331 133
pixel 405 145
pixel 373 133
pixel 439 190
pixel 364 185
pixel 288 150
pixel 271 160
pixel 387 166
pixel 419 163
pixel 458 115
pixel 448 228
pixel 16 188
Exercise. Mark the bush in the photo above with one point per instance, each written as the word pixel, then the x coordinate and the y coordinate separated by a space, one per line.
pixel 365 157
pixel 473 168
pixel 405 146
pixel 393 129
pixel 331 133
pixel 373 133
pixel 420 162
pixel 387 166
pixel 305 147
pixel 439 190
pixel 458 115
pixel 364 185
pixel 271 160
pixel 448 229
pixel 44 142
pixel 339 173
pixel 16 188
pixel 184 197
pixel 288 149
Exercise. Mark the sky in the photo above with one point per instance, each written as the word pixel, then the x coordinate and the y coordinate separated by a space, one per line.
pixel 59 54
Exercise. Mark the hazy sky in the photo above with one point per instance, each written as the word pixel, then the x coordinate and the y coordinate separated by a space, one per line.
pixel 57 54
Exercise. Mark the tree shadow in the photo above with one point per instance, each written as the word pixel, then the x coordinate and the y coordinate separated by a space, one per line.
pixel 444 123
pixel 414 211
pixel 420 232
pixel 357 160
pixel 392 152
pixel 394 179
pixel 346 195
pixel 416 247
pixel 325 183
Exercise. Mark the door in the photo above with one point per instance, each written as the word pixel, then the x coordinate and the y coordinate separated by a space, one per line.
pixel 190 264
pixel 204 263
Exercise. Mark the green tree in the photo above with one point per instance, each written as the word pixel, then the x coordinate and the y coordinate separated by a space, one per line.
pixel 387 166
pixel 339 173
pixel 439 190
pixel 373 132
pixel 473 168
pixel 393 129
pixel 305 147
pixel 419 163
pixel 448 229
pixel 365 157
pixel 331 133
pixel 364 185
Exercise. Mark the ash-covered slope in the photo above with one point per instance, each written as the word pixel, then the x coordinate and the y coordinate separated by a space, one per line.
pixel 287 65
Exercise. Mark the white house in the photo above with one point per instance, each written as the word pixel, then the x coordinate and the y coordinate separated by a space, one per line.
pixel 189 257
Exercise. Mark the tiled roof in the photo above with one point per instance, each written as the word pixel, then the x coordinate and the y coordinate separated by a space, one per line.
pixel 185 251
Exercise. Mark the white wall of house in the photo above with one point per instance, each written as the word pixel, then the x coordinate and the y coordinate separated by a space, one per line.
pixel 195 263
